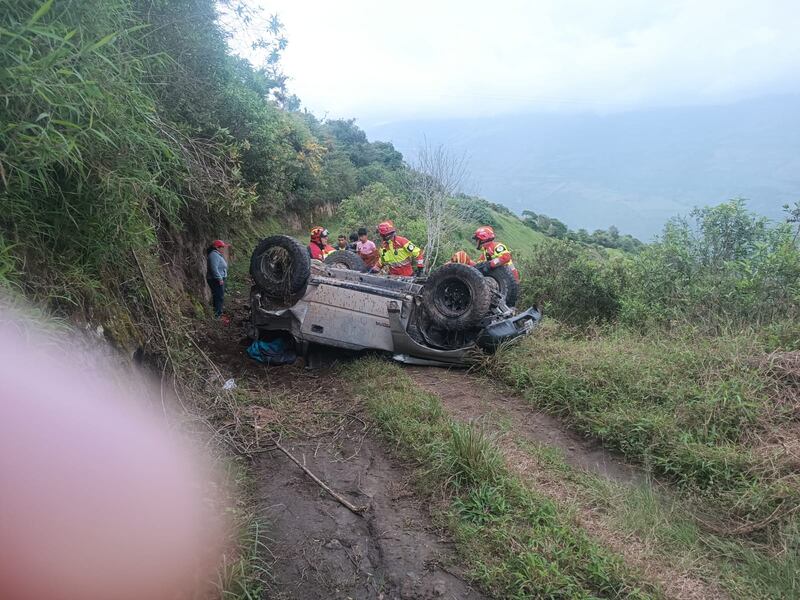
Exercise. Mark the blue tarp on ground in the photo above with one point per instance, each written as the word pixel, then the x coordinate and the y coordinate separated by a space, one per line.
pixel 272 353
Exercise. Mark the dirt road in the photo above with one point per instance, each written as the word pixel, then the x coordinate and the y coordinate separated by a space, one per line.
pixel 472 398
pixel 320 549
pixel 316 548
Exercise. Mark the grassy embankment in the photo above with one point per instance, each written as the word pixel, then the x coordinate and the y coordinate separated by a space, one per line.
pixel 517 543
pixel 664 534
pixel 713 415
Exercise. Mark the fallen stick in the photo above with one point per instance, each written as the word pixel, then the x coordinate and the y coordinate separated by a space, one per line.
pixel 355 509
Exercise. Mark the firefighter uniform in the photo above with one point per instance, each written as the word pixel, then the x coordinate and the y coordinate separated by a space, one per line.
pixel 320 251
pixel 497 255
pixel 401 256
pixel 319 247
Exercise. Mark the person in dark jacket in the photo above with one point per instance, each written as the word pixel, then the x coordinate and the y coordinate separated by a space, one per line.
pixel 216 274
pixel 353 242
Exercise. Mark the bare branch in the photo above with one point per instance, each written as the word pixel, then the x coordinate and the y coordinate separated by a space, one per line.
pixel 434 178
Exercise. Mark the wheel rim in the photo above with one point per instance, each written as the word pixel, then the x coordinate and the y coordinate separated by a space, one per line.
pixel 454 298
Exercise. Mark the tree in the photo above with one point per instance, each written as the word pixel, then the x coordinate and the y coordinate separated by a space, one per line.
pixel 727 231
pixel 793 216
pixel 432 180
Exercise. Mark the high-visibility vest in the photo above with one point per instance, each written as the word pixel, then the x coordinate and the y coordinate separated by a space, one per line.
pixel 497 255
pixel 398 254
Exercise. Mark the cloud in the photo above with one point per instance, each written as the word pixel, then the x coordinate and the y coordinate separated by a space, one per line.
pixel 429 58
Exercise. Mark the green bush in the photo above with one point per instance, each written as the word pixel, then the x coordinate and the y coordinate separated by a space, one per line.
pixel 727 268
pixel 573 283
pixel 377 203
pixel 475 210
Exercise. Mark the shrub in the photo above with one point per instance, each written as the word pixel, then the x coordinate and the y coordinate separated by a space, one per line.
pixel 573 283
pixel 725 268
pixel 376 203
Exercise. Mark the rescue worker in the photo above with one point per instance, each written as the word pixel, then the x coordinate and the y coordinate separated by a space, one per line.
pixel 397 253
pixel 463 258
pixel 493 254
pixel 319 247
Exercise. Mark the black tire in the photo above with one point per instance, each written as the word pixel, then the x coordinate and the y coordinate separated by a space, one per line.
pixel 456 297
pixel 346 260
pixel 509 286
pixel 280 267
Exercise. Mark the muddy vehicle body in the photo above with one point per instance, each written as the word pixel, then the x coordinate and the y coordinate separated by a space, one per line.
pixel 442 319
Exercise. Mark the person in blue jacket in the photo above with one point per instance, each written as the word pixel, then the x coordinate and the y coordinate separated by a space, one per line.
pixel 216 274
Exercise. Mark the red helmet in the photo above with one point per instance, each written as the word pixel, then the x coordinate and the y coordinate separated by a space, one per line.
pixel 460 257
pixel 483 234
pixel 317 233
pixel 386 229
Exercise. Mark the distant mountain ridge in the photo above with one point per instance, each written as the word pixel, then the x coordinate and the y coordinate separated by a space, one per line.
pixel 634 170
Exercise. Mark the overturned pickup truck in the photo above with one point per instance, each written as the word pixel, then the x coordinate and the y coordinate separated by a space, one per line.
pixel 442 319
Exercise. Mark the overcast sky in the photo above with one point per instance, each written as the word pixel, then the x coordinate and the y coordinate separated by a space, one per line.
pixel 434 58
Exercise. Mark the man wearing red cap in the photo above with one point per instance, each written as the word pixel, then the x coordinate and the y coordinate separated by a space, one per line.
pixel 216 274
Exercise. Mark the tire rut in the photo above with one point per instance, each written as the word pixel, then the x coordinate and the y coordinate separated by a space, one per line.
pixel 513 420
pixel 321 550
pixel 461 394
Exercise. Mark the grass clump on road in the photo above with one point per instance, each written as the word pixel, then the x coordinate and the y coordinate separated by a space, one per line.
pixel 517 543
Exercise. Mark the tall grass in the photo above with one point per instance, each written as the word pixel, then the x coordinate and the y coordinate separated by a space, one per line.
pixel 669 535
pixel 696 410
pixel 83 161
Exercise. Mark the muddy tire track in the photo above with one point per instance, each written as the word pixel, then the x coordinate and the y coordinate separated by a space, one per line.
pixel 319 549
pixel 469 397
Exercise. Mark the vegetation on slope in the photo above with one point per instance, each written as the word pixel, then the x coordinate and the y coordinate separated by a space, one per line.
pixel 698 410
pixel 684 357
pixel 726 269
pixel 131 128
pixel 610 238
